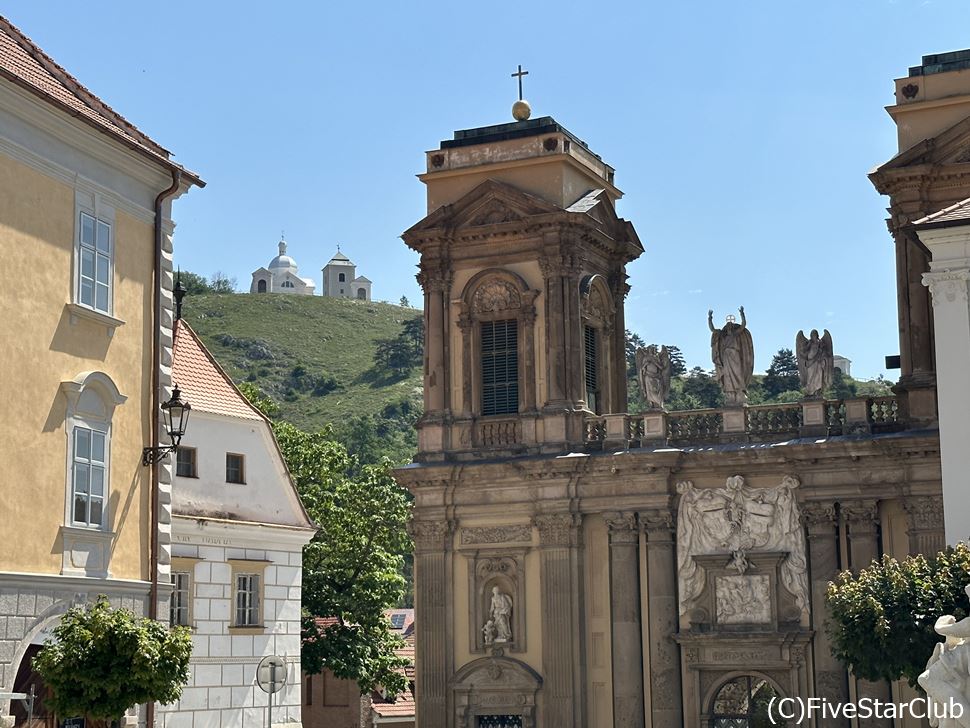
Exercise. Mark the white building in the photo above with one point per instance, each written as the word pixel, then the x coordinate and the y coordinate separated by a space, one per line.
pixel 946 234
pixel 281 276
pixel 842 364
pixel 340 279
pixel 237 541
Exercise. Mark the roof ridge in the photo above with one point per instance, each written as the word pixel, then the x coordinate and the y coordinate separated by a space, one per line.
pixel 63 76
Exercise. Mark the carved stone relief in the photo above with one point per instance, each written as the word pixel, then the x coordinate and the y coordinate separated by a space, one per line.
pixel 734 521
pixel 743 599
pixel 517 533
pixel 494 296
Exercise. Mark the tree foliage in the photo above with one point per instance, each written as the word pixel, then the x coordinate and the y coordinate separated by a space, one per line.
pixel 882 619
pixel 103 661
pixel 259 399
pixel 193 283
pixel 221 282
pixel 782 374
pixel 398 356
pixel 352 567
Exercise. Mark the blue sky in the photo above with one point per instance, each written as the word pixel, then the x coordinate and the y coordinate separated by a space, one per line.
pixel 741 133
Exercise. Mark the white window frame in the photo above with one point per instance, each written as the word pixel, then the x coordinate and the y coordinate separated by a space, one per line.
pixel 195 461
pixel 92 205
pixel 242 468
pixel 246 603
pixel 81 463
pixel 180 603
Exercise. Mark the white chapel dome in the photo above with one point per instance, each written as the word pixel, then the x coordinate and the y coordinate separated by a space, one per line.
pixel 283 261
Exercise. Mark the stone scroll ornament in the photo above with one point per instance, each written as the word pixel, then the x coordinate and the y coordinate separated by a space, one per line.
pixel 732 351
pixel 653 374
pixel 946 679
pixel 735 520
pixel 816 367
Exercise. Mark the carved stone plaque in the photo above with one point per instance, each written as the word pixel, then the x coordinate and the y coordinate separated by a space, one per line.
pixel 497 534
pixel 743 599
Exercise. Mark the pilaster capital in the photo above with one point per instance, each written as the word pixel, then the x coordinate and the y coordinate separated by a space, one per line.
pixel 435 278
pixel 819 518
pixel 924 513
pixel 948 286
pixel 561 263
pixel 658 524
pixel 622 527
pixel 428 535
pixel 861 515
pixel 558 529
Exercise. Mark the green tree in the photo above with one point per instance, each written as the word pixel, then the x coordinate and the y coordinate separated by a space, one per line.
pixel 697 390
pixel 678 365
pixel 193 283
pixel 102 661
pixel 404 302
pixel 398 356
pixel 843 387
pixel 782 375
pixel 632 343
pixel 222 283
pixel 259 399
pixel 352 567
pixel 882 619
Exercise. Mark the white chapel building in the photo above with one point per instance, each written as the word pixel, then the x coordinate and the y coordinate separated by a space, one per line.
pixel 281 276
pixel 238 532
pixel 340 279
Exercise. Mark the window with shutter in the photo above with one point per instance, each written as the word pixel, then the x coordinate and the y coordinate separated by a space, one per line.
pixel 500 367
pixel 592 385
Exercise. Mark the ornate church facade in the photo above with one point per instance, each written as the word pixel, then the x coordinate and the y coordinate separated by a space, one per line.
pixel 576 565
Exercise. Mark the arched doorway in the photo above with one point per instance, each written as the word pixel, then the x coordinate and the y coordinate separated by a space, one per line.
pixel 261 286
pixel 361 294
pixel 25 680
pixel 743 702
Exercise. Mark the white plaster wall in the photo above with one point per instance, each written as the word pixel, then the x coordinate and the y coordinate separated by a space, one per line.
pixel 221 692
pixel 332 285
pixel 265 496
pixel 948 284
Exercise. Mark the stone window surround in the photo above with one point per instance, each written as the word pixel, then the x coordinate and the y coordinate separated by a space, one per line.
pixel 91 400
pixel 597 311
pixel 248 566
pixel 518 304
pixel 92 203
pixel 186 565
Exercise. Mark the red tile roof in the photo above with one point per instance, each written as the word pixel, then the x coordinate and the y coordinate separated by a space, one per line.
pixel 204 384
pixel 25 64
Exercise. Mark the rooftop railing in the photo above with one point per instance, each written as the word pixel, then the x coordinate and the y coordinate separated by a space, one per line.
pixel 753 423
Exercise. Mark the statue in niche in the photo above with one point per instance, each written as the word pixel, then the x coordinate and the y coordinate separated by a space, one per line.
pixel 946 679
pixel 736 520
pixel 488 632
pixel 732 351
pixel 500 617
pixel 815 362
pixel 653 374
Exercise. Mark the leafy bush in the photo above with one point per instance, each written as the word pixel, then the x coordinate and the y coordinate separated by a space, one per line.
pixel 103 661
pixel 882 619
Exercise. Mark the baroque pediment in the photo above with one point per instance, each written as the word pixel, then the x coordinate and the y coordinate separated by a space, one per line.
pixel 950 146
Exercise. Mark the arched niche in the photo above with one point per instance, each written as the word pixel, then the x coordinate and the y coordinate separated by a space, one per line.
pixel 741 696
pixel 505 570
pixel 492 295
pixel 495 686
pixel 598 314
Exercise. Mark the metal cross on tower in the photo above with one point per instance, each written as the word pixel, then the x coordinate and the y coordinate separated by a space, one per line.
pixel 520 74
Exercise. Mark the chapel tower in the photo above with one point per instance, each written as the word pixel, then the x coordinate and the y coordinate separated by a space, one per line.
pixel 523 269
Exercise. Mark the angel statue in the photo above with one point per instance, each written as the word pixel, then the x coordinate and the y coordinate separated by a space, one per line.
pixel 946 679
pixel 732 351
pixel 815 368
pixel 653 374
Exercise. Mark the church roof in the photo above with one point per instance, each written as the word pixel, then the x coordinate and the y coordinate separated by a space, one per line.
pixel 958 214
pixel 23 63
pixel 362 279
pixel 340 259
pixel 204 384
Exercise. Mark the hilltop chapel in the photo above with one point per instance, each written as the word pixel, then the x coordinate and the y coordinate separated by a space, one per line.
pixel 579 566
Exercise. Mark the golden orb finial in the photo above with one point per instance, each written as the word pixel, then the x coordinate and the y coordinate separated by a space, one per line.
pixel 521 110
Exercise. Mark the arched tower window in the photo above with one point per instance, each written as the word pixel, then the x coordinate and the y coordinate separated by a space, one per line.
pixel 743 702
pixel 498 360
pixel 597 312
pixel 342 277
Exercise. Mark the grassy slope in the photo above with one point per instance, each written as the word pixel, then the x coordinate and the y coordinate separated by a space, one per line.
pixel 329 337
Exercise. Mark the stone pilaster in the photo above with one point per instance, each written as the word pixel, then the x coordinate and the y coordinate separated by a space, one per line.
pixel 436 284
pixel 924 524
pixel 862 520
pixel 823 553
pixel 625 615
pixel 563 658
pixel 430 606
pixel 666 709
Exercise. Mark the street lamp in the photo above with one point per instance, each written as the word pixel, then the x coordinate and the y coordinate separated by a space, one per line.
pixel 176 418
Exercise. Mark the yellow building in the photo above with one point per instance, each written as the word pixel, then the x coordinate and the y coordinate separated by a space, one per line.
pixel 86 198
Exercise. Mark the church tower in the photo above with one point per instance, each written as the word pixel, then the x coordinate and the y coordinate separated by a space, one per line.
pixel 523 269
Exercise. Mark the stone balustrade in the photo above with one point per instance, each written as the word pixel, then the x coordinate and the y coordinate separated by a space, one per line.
pixel 753 423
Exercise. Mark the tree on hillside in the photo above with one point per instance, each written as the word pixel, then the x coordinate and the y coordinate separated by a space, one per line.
pixel 632 343
pixel 398 356
pixel 103 661
pixel 404 302
pixel 352 567
pixel 193 283
pixel 222 283
pixel 882 619
pixel 782 375
pixel 698 389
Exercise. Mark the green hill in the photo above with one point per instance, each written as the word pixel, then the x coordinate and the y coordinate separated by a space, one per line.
pixel 315 358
